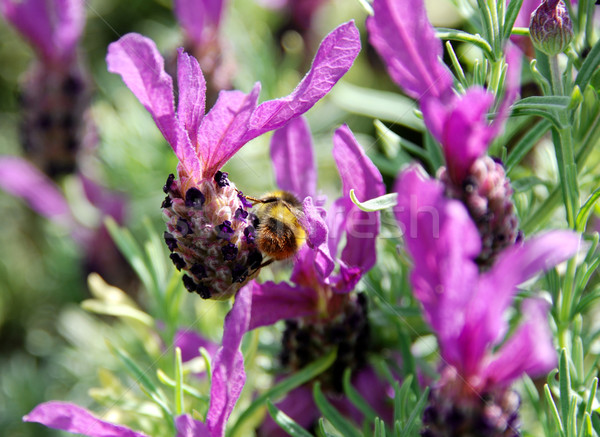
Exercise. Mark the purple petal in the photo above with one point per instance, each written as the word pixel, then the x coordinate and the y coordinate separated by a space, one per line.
pixel 141 66
pixel 462 128
pixel 228 375
pixel 293 160
pixel 75 419
pixel 443 242
pixel 21 179
pixel 109 203
pixel 404 38
pixel 192 94
pixel 199 18
pixel 52 27
pixel 316 230
pixel 272 302
pixel 223 129
pixel 333 59
pixel 188 427
pixel 358 172
pixel 190 342
pixel 529 350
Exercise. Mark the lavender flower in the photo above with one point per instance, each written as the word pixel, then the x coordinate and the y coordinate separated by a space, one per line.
pixel 466 309
pixel 403 36
pixel 320 308
pixel 22 179
pixel 55 92
pixel 228 379
pixel 208 239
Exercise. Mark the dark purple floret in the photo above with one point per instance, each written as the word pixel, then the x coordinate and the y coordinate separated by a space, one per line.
pixel 239 273
pixel 183 227
pixel 229 251
pixel 198 271
pixel 170 240
pixel 72 85
pixel 204 291
pixel 255 259
pixel 249 233
pixel 189 284
pixel 178 261
pixel 194 198
pixel 245 202
pixel 221 179
pixel 225 230
pixel 241 214
pixel 167 187
pixel 167 203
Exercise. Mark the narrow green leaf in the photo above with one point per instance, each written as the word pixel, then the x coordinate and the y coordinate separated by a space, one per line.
pixel 572 418
pixel 525 144
pixel 564 381
pixel 286 422
pixel 585 211
pixel 460 74
pixel 553 410
pixel 338 421
pixel 281 388
pixel 585 430
pixel 512 11
pixel 376 204
pixel 416 414
pixel 324 432
pixel 402 399
pixel 589 66
pixel 394 141
pixel 355 397
pixel 188 389
pixel 462 36
pixel 178 382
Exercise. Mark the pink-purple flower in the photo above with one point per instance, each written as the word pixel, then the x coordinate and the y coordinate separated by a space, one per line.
pixel 209 231
pixel 228 378
pixel 320 306
pixel 467 309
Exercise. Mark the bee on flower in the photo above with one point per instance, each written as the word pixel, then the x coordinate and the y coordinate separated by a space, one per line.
pixel 211 232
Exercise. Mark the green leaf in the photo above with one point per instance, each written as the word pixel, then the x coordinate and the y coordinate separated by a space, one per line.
pixel 553 410
pixel 545 106
pixel 141 378
pixel 333 415
pixel 382 105
pixel 525 184
pixel 416 414
pixel 355 397
pixel 459 35
pixel 392 141
pixel 324 432
pixel 564 380
pixel 286 422
pixel 512 11
pixel 188 389
pixel 585 211
pixel 525 144
pixel 589 66
pixel 178 382
pixel 284 386
pixel 376 204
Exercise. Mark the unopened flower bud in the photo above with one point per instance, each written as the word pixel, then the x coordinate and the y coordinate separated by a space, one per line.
pixel 550 27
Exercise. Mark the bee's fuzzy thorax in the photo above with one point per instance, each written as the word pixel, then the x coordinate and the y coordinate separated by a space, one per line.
pixel 211 236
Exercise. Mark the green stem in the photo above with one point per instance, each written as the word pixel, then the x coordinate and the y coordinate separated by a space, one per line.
pixel 563 146
pixel 496 34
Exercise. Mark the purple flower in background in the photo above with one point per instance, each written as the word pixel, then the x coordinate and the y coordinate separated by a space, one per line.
pixel 201 21
pixel 55 91
pixel 319 306
pixel 228 379
pixel 467 309
pixel 301 12
pixel 22 179
pixel 209 233
pixel 403 36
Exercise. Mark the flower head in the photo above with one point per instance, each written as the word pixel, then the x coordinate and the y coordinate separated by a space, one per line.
pixel 211 241
pixel 55 91
pixel 466 309
pixel 550 27
pixel 406 41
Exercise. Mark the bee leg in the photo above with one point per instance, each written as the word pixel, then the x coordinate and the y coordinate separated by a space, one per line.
pixel 266 263
pixel 250 198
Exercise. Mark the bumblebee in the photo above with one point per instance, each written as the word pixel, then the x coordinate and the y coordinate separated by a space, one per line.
pixel 279 234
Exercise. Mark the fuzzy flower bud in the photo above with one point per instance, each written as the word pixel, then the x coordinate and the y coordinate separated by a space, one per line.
pixel 550 27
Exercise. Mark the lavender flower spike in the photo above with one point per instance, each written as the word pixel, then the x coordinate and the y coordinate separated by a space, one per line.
pixel 209 230
pixel 466 309
pixel 227 382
